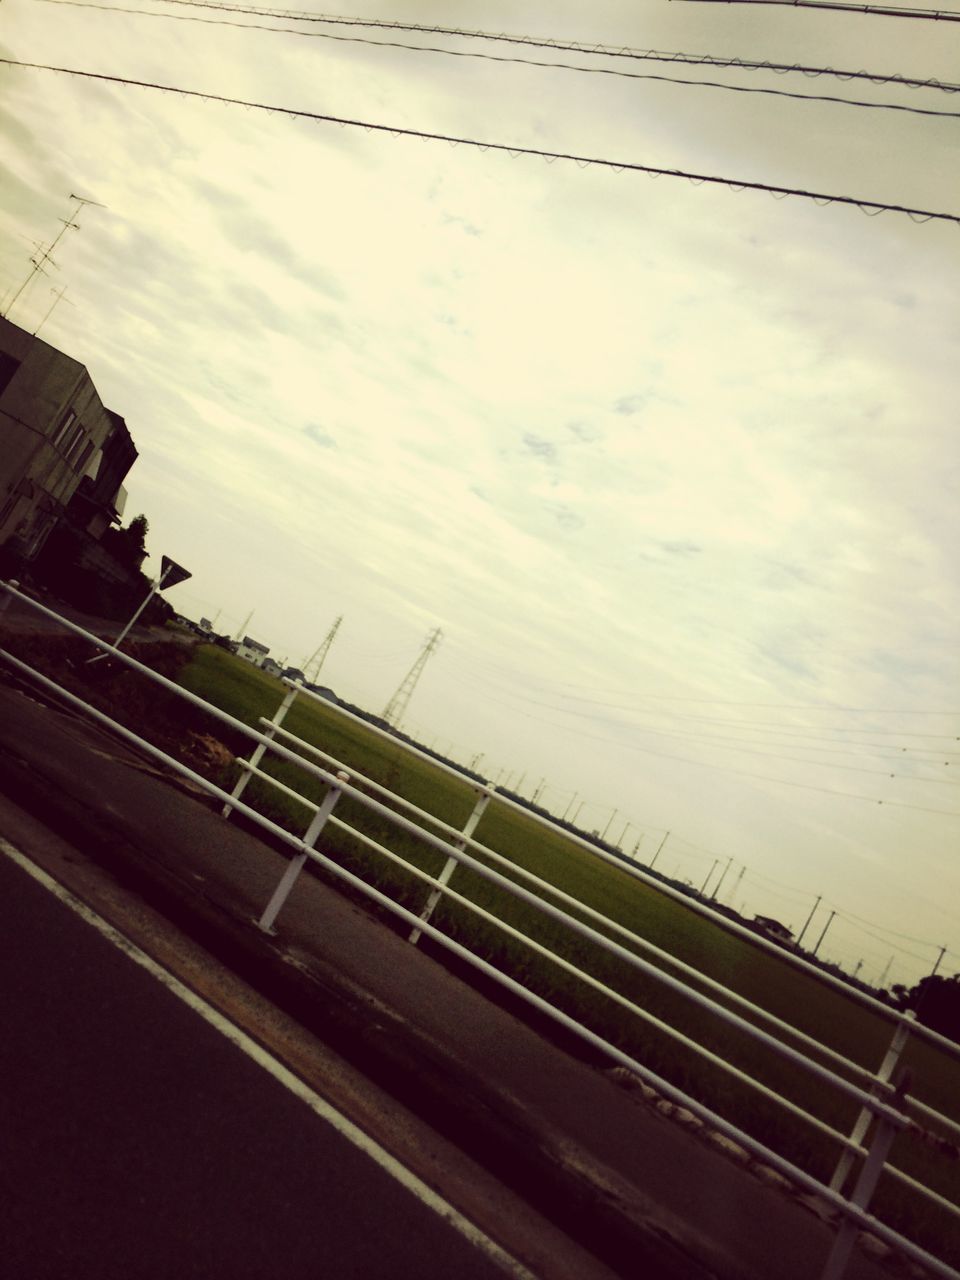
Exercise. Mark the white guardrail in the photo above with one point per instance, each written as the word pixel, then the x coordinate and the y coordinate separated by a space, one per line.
pixel 885 1108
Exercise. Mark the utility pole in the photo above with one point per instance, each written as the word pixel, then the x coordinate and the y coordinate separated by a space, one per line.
pixel 737 885
pixel 44 256
pixel 636 847
pixel 706 879
pixel 883 977
pixel 396 708
pixel 809 918
pixel 576 813
pixel 243 627
pixel 622 834
pixel 659 848
pixel 609 823
pixel 573 800
pixel 539 791
pixel 312 665
pixel 824 934
pixel 933 971
pixel 713 896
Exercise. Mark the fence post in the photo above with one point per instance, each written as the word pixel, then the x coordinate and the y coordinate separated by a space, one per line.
pixel 7 597
pixel 289 877
pixel 260 750
pixel 862 1123
pixel 876 1157
pixel 444 876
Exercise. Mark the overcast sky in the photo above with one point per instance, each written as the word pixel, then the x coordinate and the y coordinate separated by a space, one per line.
pixel 673 467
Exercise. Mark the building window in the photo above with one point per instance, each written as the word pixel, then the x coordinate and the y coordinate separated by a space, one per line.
pixel 8 367
pixel 63 426
pixel 83 457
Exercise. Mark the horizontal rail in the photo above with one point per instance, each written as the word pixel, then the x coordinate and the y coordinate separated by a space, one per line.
pixel 868 1100
pixel 850 1211
pixel 916 1028
pixel 681 966
pixel 568 967
pixel 631 869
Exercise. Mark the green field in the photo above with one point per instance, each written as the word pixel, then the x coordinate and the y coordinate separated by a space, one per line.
pixel 775 985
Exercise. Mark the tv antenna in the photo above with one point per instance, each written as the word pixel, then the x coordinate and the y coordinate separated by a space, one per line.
pixel 45 255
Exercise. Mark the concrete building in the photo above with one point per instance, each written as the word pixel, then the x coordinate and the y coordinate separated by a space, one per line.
pixel 60 446
pixel 252 650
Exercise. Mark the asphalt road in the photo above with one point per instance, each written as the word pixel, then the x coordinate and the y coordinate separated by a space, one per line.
pixel 140 1142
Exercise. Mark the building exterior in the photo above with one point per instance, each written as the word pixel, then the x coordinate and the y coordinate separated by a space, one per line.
pixel 773 929
pixel 252 651
pixel 60 447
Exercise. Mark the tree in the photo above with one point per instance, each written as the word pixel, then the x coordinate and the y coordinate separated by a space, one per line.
pixel 936 1001
pixel 129 545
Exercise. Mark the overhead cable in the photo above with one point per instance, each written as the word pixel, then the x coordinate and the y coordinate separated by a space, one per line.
pixel 529 62
pixel 626 744
pixel 568 46
pixel 870 207
pixel 871 10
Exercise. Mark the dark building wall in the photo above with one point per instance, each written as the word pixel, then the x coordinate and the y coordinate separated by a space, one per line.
pixel 52 428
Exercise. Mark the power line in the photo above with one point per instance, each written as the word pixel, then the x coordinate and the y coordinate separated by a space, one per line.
pixel 871 10
pixel 573 46
pixel 529 62
pixel 803 734
pixel 870 207
pixel 745 773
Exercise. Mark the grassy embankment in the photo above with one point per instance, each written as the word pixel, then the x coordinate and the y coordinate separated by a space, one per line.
pixel 769 982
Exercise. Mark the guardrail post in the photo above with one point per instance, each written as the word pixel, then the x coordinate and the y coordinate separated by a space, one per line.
pixel 260 749
pixel 295 866
pixel 876 1157
pixel 448 867
pixel 7 597
pixel 901 1035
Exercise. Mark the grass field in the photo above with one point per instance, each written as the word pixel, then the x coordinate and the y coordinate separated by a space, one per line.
pixel 775 985
pixel 799 998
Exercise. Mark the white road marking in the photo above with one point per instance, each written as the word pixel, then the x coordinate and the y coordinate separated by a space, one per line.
pixel 320 1107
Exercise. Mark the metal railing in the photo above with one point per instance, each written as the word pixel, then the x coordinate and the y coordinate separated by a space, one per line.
pixel 884 1108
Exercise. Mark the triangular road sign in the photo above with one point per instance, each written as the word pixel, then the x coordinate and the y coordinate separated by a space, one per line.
pixel 171 573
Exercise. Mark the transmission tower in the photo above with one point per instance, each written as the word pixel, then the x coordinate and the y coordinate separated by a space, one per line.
pixel 312 665
pixel 396 708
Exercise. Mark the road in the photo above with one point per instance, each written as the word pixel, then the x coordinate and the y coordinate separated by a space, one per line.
pixel 144 1140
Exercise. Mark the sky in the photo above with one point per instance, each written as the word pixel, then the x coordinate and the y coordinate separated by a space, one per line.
pixel 673 467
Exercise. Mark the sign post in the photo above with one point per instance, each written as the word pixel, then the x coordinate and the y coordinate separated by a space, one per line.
pixel 170 574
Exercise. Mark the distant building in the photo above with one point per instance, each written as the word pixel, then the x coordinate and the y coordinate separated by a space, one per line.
pixel 773 929
pixel 252 651
pixel 294 673
pixel 271 666
pixel 322 691
pixel 60 448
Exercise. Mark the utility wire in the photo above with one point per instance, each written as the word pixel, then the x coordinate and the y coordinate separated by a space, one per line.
pixel 904 937
pixel 744 773
pixel 573 46
pixel 870 207
pixel 871 10
pixel 802 734
pixel 529 62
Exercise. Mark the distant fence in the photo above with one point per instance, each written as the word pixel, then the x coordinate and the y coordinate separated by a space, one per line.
pixel 885 1108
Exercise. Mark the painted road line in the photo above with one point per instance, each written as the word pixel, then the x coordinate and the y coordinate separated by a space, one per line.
pixel 317 1104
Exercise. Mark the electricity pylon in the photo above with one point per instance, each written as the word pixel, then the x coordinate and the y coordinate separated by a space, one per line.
pixel 396 708
pixel 312 665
